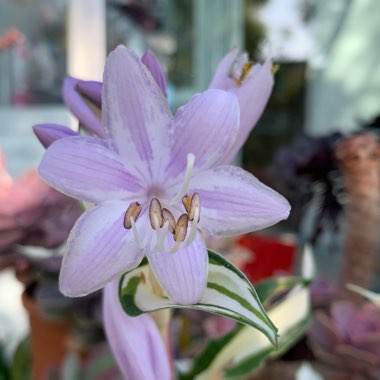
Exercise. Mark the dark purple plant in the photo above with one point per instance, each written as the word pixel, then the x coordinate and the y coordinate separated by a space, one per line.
pixel 307 169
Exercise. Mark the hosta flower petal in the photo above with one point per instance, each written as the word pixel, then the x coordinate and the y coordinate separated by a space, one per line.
pixel 253 95
pixel 235 202
pixel 135 341
pixel 77 105
pixel 151 62
pixel 99 249
pixel 182 274
pixel 91 90
pixel 84 168
pixel 135 111
pixel 48 133
pixel 209 119
pixel 222 77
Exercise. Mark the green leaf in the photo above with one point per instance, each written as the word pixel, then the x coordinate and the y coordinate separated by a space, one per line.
pixel 271 288
pixel 248 365
pixel 228 293
pixel 71 367
pixel 286 341
pixel 212 349
pixel 248 349
pixel 21 363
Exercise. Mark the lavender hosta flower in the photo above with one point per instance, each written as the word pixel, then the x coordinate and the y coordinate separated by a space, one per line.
pixel 251 83
pixel 135 341
pixel 84 99
pixel 156 180
pixel 48 133
pixel 348 342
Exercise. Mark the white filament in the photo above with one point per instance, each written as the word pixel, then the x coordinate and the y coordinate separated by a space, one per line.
pixel 194 227
pixel 175 246
pixel 161 234
pixel 136 234
pixel 186 179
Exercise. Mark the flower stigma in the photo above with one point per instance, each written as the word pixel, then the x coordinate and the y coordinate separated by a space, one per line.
pixel 186 180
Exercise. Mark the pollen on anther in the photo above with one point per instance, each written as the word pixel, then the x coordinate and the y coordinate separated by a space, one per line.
pixel 186 201
pixel 133 212
pixel 181 228
pixel 155 214
pixel 169 217
pixel 195 205
pixel 239 79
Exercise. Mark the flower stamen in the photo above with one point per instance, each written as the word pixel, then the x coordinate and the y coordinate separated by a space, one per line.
pixel 195 205
pixel 169 218
pixel 194 227
pixel 180 232
pixel 139 242
pixel 186 201
pixel 244 73
pixel 186 179
pixel 181 228
pixel 155 214
pixel 133 211
pixel 161 234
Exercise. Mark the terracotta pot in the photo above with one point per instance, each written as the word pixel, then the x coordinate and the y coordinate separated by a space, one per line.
pixel 49 338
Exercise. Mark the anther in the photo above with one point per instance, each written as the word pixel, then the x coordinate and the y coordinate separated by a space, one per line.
pixel 181 228
pixel 155 214
pixel 194 206
pixel 133 212
pixel 194 228
pixel 275 68
pixel 169 217
pixel 186 201
pixel 244 73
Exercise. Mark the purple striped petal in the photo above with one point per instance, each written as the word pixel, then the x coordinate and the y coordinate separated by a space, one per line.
pixel 253 95
pixel 48 133
pixel 234 202
pixel 98 250
pixel 84 168
pixel 91 90
pixel 152 63
pixel 135 341
pixel 135 111
pixel 182 274
pixel 207 127
pixel 78 106
pixel 222 79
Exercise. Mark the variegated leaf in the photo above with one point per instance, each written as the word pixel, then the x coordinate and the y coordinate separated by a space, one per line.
pixel 247 350
pixel 228 293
